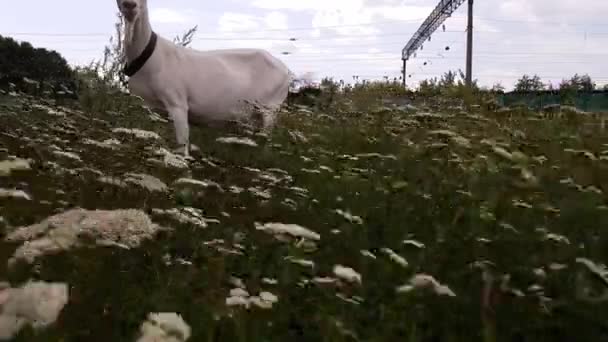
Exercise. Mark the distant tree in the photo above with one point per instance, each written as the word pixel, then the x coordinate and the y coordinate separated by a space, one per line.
pixel 462 81
pixel 429 86
pixel 21 61
pixel 498 88
pixel 605 87
pixel 578 83
pixel 329 90
pixel 527 83
pixel 448 79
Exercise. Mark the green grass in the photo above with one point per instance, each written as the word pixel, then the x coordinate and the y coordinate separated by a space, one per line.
pixel 438 179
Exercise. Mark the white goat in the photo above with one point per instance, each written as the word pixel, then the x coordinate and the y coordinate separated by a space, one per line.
pixel 199 86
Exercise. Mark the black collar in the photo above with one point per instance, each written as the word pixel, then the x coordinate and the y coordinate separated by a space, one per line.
pixel 138 63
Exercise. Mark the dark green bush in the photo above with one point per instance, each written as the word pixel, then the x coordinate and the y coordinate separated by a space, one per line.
pixel 33 69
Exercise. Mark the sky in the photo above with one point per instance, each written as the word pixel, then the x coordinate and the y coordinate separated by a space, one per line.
pixel 345 38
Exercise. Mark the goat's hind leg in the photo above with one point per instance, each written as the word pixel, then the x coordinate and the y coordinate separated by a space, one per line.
pixel 269 118
pixel 266 116
pixel 179 115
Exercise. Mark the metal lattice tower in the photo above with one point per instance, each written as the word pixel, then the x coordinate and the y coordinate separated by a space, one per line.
pixel 442 11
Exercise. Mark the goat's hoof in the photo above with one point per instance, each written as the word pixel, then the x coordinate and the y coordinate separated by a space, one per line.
pixel 183 150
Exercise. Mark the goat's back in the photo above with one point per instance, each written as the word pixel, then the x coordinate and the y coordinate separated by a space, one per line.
pixel 214 84
pixel 223 78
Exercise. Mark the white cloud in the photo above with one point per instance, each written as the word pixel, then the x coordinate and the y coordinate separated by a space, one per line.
pixel 244 30
pixel 343 22
pixel 519 10
pixel 276 21
pixel 555 10
pixel 402 12
pixel 246 23
pixel 231 22
pixel 164 15
pixel 304 5
pixel 347 15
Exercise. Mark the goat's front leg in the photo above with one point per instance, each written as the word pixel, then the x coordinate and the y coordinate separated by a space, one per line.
pixel 179 115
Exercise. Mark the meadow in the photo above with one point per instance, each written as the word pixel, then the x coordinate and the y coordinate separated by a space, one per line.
pixel 431 221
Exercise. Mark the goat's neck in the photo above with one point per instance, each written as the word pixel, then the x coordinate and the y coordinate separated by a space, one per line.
pixel 142 30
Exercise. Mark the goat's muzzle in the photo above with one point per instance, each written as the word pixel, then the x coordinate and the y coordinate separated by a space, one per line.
pixel 129 5
pixel 129 10
pixel 129 15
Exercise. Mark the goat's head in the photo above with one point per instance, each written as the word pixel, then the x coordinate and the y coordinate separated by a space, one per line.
pixel 131 9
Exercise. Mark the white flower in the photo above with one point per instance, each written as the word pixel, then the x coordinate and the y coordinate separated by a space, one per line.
pixel 347 273
pixel 425 281
pixel 288 229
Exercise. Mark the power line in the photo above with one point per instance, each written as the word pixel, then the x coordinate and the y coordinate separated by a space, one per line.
pixel 358 55
pixel 492 54
pixel 312 28
pixel 373 43
pixel 370 59
pixel 542 22
pixel 482 74
pixel 227 38
pixel 363 55
pixel 99 34
pixel 335 38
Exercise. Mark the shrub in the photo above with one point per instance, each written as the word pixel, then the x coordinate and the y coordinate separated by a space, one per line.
pixel 24 65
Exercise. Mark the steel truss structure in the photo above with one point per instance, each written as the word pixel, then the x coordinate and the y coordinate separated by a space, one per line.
pixel 442 11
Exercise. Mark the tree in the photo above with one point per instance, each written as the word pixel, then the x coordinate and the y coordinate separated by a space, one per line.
pixel 605 87
pixel 578 83
pixel 429 86
pixel 20 62
pixel 448 79
pixel 527 83
pixel 498 88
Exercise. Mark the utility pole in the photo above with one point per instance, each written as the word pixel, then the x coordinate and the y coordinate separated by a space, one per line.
pixel 469 75
pixel 404 73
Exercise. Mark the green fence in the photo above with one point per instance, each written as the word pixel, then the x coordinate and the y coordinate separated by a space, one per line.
pixel 595 101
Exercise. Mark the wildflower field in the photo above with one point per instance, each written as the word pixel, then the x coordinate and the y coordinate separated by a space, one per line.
pixel 413 223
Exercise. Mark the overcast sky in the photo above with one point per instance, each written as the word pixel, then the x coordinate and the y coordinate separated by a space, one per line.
pixel 342 38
